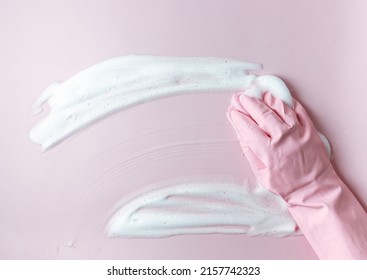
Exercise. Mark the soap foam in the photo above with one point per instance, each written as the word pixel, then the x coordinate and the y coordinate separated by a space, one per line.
pixel 183 208
pixel 203 208
pixel 122 82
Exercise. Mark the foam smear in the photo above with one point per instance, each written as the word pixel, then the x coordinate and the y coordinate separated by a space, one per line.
pixel 119 83
pixel 185 208
pixel 203 208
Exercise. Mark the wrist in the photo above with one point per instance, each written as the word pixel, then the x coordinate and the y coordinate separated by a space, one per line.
pixel 316 191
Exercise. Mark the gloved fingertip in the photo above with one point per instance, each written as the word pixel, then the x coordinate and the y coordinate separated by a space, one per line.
pixel 235 101
pixel 234 118
pixel 228 113
pixel 268 98
pixel 239 120
pixel 231 112
pixel 242 99
pixel 302 115
pixel 246 100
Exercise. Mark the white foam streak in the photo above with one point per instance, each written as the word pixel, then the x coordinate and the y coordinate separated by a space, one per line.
pixel 202 208
pixel 122 82
pixel 190 208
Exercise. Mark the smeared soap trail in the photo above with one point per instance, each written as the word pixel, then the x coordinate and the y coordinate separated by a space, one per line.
pixel 122 82
pixel 203 208
pixel 119 83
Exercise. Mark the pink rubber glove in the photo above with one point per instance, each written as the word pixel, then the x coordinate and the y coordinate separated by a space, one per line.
pixel 289 158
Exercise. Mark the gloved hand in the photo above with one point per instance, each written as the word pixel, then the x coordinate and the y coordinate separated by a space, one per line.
pixel 289 158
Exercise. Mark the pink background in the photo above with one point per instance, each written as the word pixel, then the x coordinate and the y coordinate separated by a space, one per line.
pixel 54 204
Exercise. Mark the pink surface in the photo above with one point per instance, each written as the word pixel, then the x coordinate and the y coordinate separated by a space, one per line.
pixel 51 204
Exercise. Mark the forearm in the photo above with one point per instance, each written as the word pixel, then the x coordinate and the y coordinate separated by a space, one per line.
pixel 331 218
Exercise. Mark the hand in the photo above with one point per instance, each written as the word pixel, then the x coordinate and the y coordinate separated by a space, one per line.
pixel 281 143
pixel 288 157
